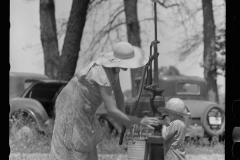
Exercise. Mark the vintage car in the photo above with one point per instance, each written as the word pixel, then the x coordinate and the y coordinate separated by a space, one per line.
pixel 205 114
pixel 36 102
pixel 19 82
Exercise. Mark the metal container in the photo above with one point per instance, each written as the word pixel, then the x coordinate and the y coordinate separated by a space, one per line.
pixel 136 149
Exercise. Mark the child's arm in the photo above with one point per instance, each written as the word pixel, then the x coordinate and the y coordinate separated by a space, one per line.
pixel 164 134
pixel 168 132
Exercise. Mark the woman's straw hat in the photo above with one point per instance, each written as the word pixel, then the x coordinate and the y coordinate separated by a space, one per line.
pixel 124 55
pixel 174 106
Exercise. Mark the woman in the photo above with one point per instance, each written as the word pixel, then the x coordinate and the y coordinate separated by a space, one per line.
pixel 77 130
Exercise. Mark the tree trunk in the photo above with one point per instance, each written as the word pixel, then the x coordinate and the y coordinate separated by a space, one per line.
pixel 49 38
pixel 209 55
pixel 71 46
pixel 133 35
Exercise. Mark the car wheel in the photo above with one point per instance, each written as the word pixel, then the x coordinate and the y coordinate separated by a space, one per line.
pixel 21 125
pixel 213 121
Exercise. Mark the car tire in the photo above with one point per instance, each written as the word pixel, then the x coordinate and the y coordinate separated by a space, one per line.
pixel 21 124
pixel 218 129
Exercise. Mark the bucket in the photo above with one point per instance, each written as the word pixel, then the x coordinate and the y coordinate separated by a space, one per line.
pixel 136 149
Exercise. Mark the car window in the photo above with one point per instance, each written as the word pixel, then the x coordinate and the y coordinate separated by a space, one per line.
pixel 28 82
pixel 44 91
pixel 187 88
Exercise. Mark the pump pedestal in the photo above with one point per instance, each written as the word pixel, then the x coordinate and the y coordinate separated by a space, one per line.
pixel 154 148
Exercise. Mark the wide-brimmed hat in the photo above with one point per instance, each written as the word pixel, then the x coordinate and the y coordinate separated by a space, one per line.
pixel 174 106
pixel 124 55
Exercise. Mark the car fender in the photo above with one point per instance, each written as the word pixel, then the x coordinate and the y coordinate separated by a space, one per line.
pixel 197 107
pixel 32 107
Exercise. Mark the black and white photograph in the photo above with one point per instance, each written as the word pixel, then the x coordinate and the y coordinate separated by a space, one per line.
pixel 120 80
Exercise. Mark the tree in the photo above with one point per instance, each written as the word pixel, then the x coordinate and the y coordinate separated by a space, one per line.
pixel 209 54
pixel 49 40
pixel 71 46
pixel 133 35
pixel 212 44
pixel 220 50
pixel 62 66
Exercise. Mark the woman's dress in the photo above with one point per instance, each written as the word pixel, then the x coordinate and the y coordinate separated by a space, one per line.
pixel 77 130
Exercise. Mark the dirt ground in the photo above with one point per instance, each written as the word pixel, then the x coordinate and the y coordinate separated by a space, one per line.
pixel 38 156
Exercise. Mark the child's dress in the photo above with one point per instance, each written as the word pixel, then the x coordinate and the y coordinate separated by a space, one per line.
pixel 174 142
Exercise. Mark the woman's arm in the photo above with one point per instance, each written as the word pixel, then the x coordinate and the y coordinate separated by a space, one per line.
pixel 114 112
pixel 119 96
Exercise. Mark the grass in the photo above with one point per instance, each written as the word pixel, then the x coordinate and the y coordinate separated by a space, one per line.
pixel 26 138
pixel 33 142
pixel 218 148
pixel 30 144
pixel 109 145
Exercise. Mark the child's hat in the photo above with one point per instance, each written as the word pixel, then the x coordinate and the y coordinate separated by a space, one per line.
pixel 124 55
pixel 175 106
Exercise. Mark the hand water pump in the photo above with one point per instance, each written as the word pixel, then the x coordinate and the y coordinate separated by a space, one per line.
pixel 154 98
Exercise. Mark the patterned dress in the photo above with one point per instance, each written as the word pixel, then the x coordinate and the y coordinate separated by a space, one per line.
pixel 173 145
pixel 77 130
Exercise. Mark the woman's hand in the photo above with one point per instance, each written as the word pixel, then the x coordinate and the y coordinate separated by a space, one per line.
pixel 150 121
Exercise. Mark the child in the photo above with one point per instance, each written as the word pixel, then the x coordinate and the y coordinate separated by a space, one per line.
pixel 174 129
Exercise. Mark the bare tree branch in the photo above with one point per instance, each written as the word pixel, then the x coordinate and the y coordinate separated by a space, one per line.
pixel 95 3
pixel 103 31
pixel 61 26
pixel 163 4
pixel 106 31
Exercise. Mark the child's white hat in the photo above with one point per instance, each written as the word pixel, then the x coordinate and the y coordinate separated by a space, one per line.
pixel 175 106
